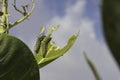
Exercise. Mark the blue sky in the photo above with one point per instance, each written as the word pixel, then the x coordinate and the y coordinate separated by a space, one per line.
pixel 71 15
pixel 58 6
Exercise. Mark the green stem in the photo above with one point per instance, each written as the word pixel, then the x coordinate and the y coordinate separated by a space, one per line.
pixel 4 24
pixel 92 67
pixel 24 17
pixel 4 18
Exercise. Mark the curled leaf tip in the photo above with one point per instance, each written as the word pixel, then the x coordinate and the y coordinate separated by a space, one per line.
pixel 42 30
pixel 54 28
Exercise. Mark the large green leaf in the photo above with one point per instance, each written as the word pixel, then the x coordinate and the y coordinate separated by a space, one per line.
pixel 51 52
pixel 111 26
pixel 16 60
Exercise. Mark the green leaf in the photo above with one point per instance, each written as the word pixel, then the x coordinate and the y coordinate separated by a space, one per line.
pixel 111 26
pixel 53 51
pixel 16 60
pixel 92 67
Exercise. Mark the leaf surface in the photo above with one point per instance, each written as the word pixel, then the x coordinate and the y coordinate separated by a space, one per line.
pixel 16 60
pixel 111 26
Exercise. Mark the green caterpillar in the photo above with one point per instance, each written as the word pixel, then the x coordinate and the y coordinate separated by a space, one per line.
pixel 38 43
pixel 16 60
pixel 46 46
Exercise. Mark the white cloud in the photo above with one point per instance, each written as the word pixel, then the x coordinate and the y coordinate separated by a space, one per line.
pixel 70 22
pixel 86 27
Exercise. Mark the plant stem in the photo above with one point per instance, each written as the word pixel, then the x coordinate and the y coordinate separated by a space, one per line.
pixel 92 67
pixel 24 17
pixel 4 18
